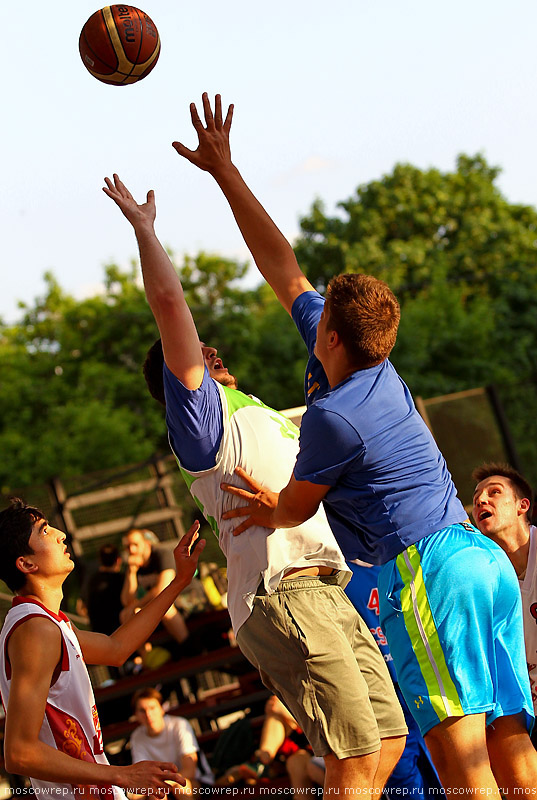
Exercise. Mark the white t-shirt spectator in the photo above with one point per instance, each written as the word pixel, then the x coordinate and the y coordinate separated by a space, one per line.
pixel 177 739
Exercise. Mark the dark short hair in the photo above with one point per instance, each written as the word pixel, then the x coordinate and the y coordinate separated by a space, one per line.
pixel 519 484
pixel 148 693
pixel 365 313
pixel 108 555
pixel 16 523
pixel 152 369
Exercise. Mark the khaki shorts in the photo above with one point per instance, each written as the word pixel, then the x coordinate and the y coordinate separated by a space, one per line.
pixel 317 655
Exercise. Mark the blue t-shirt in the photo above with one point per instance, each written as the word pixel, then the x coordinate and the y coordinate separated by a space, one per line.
pixel 390 485
pixel 194 420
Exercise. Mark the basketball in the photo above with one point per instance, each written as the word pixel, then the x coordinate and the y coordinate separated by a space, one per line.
pixel 119 45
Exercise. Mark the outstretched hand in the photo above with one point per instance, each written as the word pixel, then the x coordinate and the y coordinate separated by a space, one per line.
pixel 153 775
pixel 137 214
pixel 213 151
pixel 261 503
pixel 186 555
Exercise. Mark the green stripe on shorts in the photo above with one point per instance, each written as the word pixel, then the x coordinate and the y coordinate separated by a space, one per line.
pixel 424 637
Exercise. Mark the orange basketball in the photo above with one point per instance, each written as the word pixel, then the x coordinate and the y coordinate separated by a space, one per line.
pixel 119 45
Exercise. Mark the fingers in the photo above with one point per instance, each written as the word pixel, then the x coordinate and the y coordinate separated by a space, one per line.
pixel 229 117
pixel 184 151
pixel 238 492
pixel 238 512
pixel 191 535
pixel 218 111
pixel 208 112
pixel 251 482
pixel 243 526
pixel 194 116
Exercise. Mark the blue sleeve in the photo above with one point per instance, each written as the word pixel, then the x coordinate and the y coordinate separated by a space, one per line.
pixel 306 312
pixel 194 420
pixel 329 447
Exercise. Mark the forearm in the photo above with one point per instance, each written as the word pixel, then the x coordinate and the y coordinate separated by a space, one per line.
pixel 270 249
pixel 130 587
pixel 162 286
pixel 48 764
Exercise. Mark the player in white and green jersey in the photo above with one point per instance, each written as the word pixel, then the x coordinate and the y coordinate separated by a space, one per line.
pixel 288 609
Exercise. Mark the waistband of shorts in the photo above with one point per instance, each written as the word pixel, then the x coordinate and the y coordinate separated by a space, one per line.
pixel 302 582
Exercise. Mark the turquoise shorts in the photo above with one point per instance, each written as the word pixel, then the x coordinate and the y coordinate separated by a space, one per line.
pixel 450 608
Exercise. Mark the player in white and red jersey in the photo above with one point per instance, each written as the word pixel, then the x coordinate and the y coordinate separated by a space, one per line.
pixel 52 731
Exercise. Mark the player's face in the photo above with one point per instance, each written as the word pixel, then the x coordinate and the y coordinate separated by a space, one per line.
pixel 496 508
pixel 50 552
pixel 216 367
pixel 150 713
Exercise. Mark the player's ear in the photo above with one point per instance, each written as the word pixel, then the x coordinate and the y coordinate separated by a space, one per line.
pixel 524 505
pixel 333 338
pixel 26 565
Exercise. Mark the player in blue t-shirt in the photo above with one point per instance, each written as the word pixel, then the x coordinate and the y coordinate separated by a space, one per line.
pixel 449 599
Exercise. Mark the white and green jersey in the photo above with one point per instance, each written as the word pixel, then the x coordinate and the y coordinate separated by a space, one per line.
pixel 265 444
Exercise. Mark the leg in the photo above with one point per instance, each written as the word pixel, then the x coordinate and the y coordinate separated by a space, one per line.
pixel 297 769
pixel 458 747
pixel 278 724
pixel 512 756
pixel 316 773
pixel 357 772
pixel 175 625
pixel 391 750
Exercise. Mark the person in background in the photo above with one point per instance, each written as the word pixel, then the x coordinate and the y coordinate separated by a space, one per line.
pixel 169 738
pixel 103 591
pixel 150 566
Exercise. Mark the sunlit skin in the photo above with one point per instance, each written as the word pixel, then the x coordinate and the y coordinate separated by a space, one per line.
pixel 216 368
pixel 502 516
pixel 50 558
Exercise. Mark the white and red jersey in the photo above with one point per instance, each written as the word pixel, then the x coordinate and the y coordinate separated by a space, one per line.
pixel 71 723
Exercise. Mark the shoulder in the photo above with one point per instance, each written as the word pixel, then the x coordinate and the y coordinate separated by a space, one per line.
pixel 34 640
pixel 328 417
pixel 177 393
pixel 310 301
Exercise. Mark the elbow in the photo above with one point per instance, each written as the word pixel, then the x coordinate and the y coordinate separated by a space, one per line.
pixel 16 759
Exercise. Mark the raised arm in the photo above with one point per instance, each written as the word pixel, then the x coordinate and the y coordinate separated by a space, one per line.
pixel 180 341
pixel 114 649
pixel 270 249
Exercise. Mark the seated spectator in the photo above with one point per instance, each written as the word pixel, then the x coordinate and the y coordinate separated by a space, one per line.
pixel 171 737
pixel 281 738
pixel 150 567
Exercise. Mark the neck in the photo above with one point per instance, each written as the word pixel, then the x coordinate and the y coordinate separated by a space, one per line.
pixel 516 543
pixel 50 597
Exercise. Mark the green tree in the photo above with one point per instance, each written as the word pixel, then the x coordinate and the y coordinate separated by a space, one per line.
pixel 72 395
pixel 463 263
pixel 457 254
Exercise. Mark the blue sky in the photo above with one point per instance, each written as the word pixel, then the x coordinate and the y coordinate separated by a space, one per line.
pixel 328 95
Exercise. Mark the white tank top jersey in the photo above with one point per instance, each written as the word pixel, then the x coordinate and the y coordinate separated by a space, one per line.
pixel 528 590
pixel 265 444
pixel 71 723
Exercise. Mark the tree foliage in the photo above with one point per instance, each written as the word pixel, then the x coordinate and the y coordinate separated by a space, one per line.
pixel 72 395
pixel 460 257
